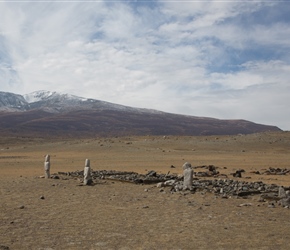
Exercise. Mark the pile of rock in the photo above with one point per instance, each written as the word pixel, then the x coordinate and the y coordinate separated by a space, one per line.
pixel 211 171
pixel 222 187
pixel 125 176
pixel 274 171
pixel 227 188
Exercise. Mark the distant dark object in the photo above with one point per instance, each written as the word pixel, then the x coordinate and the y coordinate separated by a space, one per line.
pixel 238 173
pixel 4 247
pixel 276 171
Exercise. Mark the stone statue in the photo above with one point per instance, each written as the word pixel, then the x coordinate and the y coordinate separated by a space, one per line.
pixel 47 167
pixel 188 176
pixel 87 173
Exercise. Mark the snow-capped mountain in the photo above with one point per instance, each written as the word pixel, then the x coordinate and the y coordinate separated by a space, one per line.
pixel 38 96
pixel 46 113
pixel 55 102
pixel 43 95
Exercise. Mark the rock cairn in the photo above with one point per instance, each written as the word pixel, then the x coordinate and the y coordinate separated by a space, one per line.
pixel 273 171
pixel 151 177
pixel 210 171
pixel 47 166
pixel 223 187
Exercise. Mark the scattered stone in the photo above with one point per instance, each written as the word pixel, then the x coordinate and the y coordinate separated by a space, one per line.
pixel 255 172
pixel 160 184
pixel 4 247
pixel 20 207
pixel 261 199
pixel 271 205
pixel 145 207
pixel 151 174
pixel 212 171
pixel 169 183
pixel 285 202
pixel 41 197
pixel 238 173
pixel 276 171
pixel 245 205
pixel 224 196
pixel 270 197
pixel 222 187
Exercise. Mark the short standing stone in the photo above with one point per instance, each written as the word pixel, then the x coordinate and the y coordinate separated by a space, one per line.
pixel 188 179
pixel 282 192
pixel 87 173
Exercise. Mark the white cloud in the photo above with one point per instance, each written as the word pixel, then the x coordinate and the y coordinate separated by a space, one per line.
pixel 196 58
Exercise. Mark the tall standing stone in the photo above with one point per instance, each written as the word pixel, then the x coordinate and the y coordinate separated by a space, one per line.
pixel 87 173
pixel 187 176
pixel 47 167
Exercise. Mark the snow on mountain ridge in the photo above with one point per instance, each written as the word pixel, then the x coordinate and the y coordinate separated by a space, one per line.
pixel 37 96
pixel 43 95
pixel 56 102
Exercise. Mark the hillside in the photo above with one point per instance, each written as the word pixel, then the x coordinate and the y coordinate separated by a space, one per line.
pixel 46 113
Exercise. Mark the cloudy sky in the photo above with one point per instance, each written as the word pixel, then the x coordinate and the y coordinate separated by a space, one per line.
pixel 221 59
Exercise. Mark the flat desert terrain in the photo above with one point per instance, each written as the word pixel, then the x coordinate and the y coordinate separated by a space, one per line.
pixel 38 213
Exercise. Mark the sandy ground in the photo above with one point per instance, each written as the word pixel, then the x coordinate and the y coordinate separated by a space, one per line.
pixel 47 214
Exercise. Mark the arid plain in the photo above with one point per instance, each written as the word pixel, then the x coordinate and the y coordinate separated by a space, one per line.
pixel 39 213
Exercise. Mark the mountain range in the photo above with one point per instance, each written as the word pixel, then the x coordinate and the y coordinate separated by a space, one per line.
pixel 46 113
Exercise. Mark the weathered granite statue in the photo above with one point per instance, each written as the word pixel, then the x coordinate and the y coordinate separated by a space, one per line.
pixel 187 176
pixel 87 173
pixel 47 167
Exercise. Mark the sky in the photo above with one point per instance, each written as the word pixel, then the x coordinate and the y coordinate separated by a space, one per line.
pixel 220 59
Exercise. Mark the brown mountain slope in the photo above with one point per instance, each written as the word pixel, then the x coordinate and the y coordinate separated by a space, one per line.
pixel 118 123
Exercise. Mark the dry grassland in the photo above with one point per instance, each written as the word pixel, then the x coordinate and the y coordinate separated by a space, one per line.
pixel 116 215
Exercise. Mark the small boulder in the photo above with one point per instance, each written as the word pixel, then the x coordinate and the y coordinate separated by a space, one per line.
pixel 160 184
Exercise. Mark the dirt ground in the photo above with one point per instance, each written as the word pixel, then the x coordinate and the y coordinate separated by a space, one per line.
pixel 39 213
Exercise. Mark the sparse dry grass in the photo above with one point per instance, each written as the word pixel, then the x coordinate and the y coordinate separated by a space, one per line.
pixel 115 215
